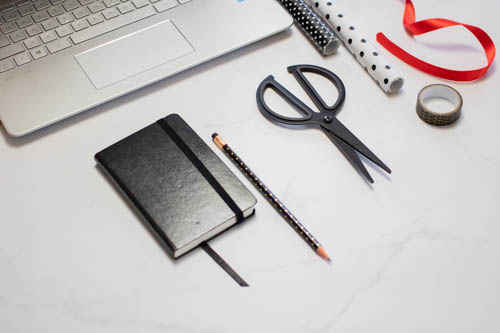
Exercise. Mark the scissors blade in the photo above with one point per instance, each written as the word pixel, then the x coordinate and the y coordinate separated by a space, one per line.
pixel 340 131
pixel 350 154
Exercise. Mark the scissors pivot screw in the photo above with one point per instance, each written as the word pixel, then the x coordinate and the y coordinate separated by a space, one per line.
pixel 327 119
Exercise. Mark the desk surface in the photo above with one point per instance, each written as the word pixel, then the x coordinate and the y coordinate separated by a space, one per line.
pixel 416 252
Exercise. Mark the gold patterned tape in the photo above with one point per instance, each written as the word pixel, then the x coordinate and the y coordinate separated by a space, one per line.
pixel 441 91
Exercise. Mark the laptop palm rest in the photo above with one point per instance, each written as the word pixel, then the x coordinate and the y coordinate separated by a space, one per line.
pixel 133 54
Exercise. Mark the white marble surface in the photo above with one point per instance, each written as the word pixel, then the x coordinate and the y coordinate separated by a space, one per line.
pixel 416 252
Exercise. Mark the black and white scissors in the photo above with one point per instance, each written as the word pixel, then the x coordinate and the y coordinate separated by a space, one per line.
pixel 326 119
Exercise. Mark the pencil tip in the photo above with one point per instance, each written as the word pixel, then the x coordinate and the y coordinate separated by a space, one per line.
pixel 214 135
pixel 322 253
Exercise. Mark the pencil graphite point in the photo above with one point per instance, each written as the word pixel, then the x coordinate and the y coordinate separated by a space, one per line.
pixel 322 253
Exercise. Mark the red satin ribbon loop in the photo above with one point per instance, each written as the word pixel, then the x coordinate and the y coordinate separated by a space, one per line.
pixel 425 26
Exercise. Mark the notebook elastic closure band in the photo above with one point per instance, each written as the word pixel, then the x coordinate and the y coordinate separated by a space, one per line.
pixel 202 169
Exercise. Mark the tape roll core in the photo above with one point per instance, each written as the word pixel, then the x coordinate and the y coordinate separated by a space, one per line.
pixel 439 91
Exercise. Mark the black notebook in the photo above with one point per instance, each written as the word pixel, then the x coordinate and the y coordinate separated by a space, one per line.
pixel 178 184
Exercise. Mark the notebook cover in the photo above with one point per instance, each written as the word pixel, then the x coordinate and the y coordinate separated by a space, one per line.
pixel 168 190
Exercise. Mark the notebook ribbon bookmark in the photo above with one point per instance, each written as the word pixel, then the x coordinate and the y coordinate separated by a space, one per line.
pixel 218 188
pixel 223 264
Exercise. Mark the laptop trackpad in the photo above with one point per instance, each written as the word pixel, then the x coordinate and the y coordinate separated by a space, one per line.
pixel 133 54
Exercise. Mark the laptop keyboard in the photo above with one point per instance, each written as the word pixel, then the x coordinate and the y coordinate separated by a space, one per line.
pixel 31 30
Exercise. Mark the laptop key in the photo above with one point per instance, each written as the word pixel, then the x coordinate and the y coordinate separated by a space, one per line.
pixel 48 36
pixel 55 2
pixel 111 3
pixel 64 31
pixel 96 6
pixel 110 13
pixel 32 42
pixel 40 16
pixel 8 28
pixel 56 10
pixel 22 58
pixel 41 4
pixel 11 15
pixel 50 24
pixel 140 3
pixel 24 22
pixel 81 12
pixel 58 45
pixel 33 30
pixel 125 7
pixel 26 10
pixel 6 65
pixel 65 18
pixel 164 5
pixel 4 41
pixel 38 52
pixel 70 5
pixel 118 22
pixel 10 50
pixel 80 25
pixel 18 35
pixel 95 19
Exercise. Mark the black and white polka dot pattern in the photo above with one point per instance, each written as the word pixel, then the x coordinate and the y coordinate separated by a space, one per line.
pixel 312 25
pixel 364 52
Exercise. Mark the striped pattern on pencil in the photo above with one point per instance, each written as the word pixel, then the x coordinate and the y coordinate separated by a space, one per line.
pixel 273 200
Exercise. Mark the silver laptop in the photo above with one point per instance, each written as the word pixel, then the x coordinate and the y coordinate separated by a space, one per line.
pixel 61 57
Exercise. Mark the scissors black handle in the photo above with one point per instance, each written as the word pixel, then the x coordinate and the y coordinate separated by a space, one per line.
pixel 308 115
pixel 270 83
pixel 326 119
pixel 298 72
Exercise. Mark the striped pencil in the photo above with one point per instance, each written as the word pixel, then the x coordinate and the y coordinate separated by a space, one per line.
pixel 273 200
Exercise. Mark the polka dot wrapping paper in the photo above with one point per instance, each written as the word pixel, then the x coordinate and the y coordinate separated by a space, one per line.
pixel 312 25
pixel 357 43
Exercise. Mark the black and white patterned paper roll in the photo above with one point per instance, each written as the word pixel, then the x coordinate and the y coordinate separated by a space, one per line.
pixel 364 51
pixel 312 25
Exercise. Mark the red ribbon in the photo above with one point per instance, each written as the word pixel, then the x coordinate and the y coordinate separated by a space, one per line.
pixel 425 26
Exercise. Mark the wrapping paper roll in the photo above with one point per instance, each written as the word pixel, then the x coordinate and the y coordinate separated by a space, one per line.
pixel 364 51
pixel 312 25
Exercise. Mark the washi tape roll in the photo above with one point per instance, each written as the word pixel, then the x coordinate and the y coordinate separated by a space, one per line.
pixel 312 25
pixel 433 117
pixel 364 51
